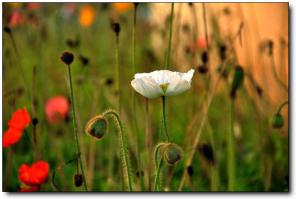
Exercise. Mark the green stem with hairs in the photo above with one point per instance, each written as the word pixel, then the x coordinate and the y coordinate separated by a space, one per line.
pixel 117 72
pixel 124 150
pixel 230 150
pixel 156 180
pixel 75 128
pixel 168 54
pixel 158 165
pixel 164 119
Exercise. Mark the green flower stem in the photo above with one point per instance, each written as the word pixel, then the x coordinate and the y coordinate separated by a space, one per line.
pixel 164 119
pixel 75 127
pixel 230 150
pixel 156 180
pixel 282 105
pixel 148 143
pixel 123 143
pixel 168 54
pixel 117 73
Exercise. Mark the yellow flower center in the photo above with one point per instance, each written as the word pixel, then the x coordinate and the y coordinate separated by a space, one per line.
pixel 164 87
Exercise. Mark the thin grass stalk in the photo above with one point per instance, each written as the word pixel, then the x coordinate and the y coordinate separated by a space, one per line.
pixel 205 23
pixel 230 150
pixel 149 143
pixel 75 127
pixel 168 54
pixel 277 78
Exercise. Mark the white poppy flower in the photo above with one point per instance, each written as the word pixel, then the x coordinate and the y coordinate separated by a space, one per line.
pixel 162 83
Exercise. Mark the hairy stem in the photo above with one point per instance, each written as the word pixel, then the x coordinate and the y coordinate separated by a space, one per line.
pixel 123 143
pixel 75 128
pixel 156 180
pixel 148 142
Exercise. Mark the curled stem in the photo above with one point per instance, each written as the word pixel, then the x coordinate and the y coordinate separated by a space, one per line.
pixel 168 54
pixel 282 106
pixel 124 150
pixel 158 165
pixel 75 128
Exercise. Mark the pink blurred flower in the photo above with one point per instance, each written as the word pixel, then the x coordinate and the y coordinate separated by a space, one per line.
pixel 56 109
pixel 16 18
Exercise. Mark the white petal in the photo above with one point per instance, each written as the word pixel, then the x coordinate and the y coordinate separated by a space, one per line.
pixel 147 87
pixel 177 87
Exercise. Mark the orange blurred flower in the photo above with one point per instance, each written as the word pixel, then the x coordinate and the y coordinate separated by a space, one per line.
pixel 33 6
pixel 56 109
pixel 87 15
pixel 20 119
pixel 34 175
pixel 122 7
pixel 11 136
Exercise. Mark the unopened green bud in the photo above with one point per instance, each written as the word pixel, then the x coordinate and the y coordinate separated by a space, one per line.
pixel 277 121
pixel 96 127
pixel 237 81
pixel 172 153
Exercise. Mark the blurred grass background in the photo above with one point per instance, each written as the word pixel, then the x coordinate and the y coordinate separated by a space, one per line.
pixel 43 33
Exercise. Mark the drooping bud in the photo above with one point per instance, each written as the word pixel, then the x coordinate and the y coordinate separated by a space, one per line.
pixel 78 179
pixel 172 153
pixel 222 51
pixel 84 60
pixel 277 121
pixel 237 81
pixel 67 58
pixel 96 127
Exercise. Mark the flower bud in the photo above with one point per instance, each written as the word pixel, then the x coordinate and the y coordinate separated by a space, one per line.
pixel 277 121
pixel 35 121
pixel 172 153
pixel 207 152
pixel 237 81
pixel 78 180
pixel 96 127
pixel 222 51
pixel 190 171
pixel 67 58
pixel 7 29
pixel 116 28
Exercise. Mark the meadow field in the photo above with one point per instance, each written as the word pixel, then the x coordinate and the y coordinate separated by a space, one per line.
pixel 145 97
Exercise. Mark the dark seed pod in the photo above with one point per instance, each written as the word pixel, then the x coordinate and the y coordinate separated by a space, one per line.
pixel 136 4
pixel 207 152
pixel 190 4
pixel 35 121
pixel 83 60
pixel 96 127
pixel 277 121
pixel 7 30
pixel 237 81
pixel 116 28
pixel 190 171
pixel 204 57
pixel 109 81
pixel 67 58
pixel 172 153
pixel 140 173
pixel 78 180
pixel 270 47
pixel 259 90
pixel 222 51
pixel 202 69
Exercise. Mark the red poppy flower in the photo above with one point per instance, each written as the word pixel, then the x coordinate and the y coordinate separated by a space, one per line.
pixel 29 189
pixel 33 6
pixel 56 109
pixel 11 136
pixel 37 174
pixel 20 119
pixel 16 18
